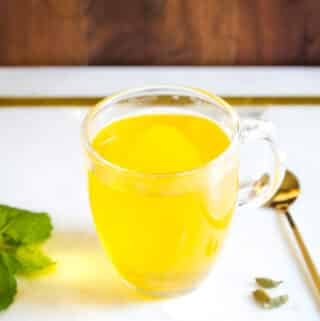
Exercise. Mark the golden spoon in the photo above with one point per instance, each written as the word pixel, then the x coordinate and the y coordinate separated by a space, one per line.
pixel 283 198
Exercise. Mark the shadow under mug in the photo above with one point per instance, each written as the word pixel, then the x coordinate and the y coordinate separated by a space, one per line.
pixel 169 250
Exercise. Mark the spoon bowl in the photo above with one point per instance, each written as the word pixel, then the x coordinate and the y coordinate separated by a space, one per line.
pixel 287 193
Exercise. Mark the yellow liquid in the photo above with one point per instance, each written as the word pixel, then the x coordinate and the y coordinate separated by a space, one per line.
pixel 162 231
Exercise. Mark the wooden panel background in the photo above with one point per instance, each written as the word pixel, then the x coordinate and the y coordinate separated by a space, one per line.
pixel 159 32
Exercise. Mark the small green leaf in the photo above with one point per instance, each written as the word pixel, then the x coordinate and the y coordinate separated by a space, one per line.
pixel 28 228
pixel 8 286
pixel 21 231
pixel 261 297
pixel 6 214
pixel 31 259
pixel 10 261
pixel 267 283
pixel 277 301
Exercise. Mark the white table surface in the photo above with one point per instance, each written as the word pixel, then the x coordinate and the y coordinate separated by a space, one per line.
pixel 101 81
pixel 41 169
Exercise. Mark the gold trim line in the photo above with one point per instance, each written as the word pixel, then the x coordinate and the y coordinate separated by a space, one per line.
pixel 91 101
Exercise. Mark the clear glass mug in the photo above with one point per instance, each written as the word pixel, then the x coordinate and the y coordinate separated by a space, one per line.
pixel 163 231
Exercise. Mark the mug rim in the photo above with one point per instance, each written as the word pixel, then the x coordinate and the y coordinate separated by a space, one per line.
pixel 210 97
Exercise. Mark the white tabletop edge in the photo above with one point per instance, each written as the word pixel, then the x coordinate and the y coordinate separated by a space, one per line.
pixel 101 81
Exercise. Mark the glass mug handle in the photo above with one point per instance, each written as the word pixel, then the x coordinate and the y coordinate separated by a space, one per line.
pixel 260 191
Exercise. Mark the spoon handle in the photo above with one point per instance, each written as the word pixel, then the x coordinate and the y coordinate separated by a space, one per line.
pixel 304 250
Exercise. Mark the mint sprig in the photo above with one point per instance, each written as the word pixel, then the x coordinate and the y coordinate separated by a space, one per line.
pixel 8 286
pixel 21 233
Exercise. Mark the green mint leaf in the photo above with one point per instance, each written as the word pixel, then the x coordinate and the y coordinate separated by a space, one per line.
pixel 261 297
pixel 31 259
pixel 10 261
pixel 268 283
pixel 7 213
pixel 20 231
pixel 27 227
pixel 8 286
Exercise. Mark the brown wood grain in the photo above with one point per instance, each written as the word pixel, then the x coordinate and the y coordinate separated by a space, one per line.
pixel 159 32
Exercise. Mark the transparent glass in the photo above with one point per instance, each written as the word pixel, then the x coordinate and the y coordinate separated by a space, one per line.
pixel 162 231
